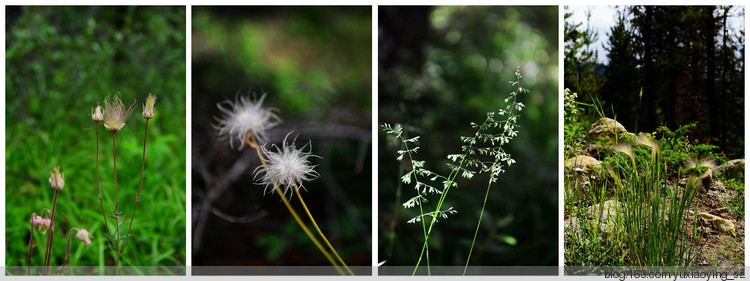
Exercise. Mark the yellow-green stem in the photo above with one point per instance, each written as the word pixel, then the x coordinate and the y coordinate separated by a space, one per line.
pixel 254 144
pixel 321 232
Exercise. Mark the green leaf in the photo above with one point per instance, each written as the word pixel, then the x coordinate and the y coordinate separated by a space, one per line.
pixel 510 240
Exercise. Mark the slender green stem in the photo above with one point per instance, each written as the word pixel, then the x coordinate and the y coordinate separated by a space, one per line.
pixel 479 222
pixel 320 232
pixel 451 179
pixel 315 241
pixel 49 236
pixel 426 246
pixel 138 194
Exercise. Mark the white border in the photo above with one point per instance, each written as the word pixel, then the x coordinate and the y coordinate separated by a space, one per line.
pixel 374 82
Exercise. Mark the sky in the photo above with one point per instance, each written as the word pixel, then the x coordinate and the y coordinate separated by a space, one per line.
pixel 603 17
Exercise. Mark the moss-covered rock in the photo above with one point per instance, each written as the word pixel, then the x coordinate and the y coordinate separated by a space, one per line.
pixel 609 129
pixel 731 169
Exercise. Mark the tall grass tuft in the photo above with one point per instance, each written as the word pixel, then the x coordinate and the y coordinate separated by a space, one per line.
pixel 653 211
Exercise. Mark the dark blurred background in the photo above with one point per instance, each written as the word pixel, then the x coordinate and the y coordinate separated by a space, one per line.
pixel 60 63
pixel 314 63
pixel 441 68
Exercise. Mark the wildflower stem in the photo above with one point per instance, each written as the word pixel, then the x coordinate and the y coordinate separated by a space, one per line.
pixel 296 190
pixel 116 239
pixel 254 144
pixel 114 159
pixel 48 250
pixel 31 244
pixel 138 194
pixel 101 202
pixel 67 249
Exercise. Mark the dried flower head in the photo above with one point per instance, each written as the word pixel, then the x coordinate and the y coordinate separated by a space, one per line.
pixel 97 115
pixel 647 141
pixel 704 166
pixel 41 224
pixel 245 116
pixel 148 108
pixel 287 167
pixel 84 236
pixel 57 179
pixel 115 113
pixel 625 149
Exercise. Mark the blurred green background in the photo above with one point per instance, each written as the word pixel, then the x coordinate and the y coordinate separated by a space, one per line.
pixel 441 68
pixel 60 63
pixel 314 63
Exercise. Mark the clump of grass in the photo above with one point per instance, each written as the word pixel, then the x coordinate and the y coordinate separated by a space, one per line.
pixel 481 153
pixel 652 212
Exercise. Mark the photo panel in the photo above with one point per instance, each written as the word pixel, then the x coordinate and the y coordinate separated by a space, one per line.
pixel 468 142
pixel 95 140
pixel 281 131
pixel 654 137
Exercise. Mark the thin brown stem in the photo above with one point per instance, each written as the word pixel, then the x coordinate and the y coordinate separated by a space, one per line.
pixel 48 250
pixel 67 250
pixel 31 243
pixel 101 202
pixel 138 194
pixel 114 158
pixel 116 239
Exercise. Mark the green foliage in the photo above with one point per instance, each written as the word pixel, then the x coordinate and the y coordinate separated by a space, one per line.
pixel 62 62
pixel 441 82
pixel 677 148
pixel 736 204
pixel 580 58
pixel 648 220
pixel 489 140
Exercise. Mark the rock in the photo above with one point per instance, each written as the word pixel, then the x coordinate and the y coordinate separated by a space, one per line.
pixel 609 129
pixel 582 163
pixel 608 219
pixel 572 229
pixel 731 169
pixel 582 170
pixel 722 225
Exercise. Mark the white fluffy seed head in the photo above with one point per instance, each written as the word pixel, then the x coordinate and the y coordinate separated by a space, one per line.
pixel 245 116
pixel 287 167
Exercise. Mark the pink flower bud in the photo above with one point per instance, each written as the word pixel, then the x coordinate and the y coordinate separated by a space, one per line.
pixel 41 224
pixel 148 108
pixel 57 179
pixel 84 236
pixel 97 115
